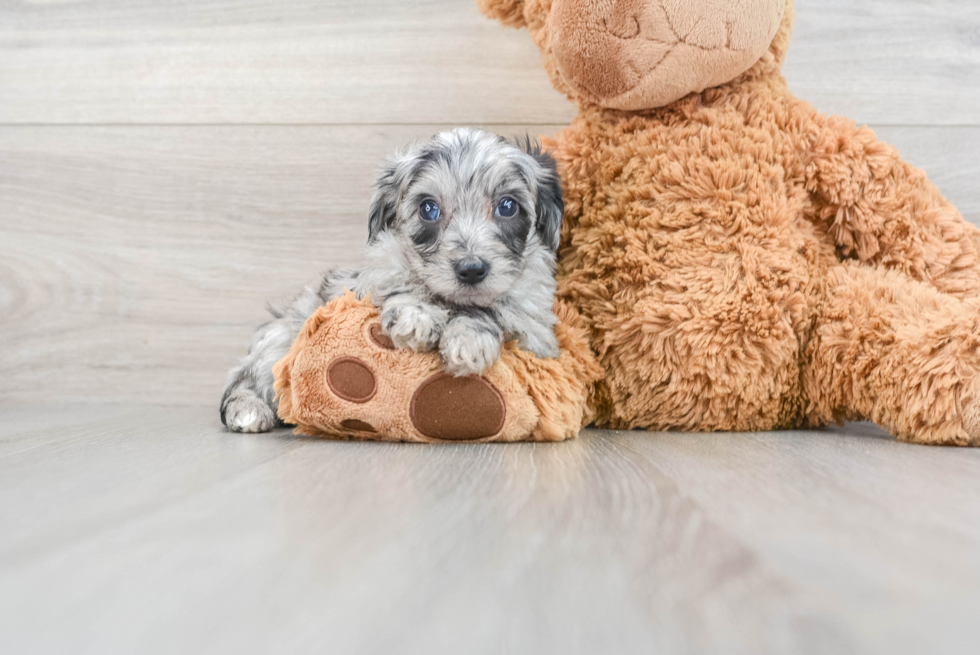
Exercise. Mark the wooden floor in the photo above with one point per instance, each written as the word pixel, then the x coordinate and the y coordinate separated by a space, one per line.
pixel 145 529
pixel 167 167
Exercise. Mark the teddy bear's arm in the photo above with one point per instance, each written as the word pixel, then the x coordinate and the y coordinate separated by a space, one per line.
pixel 882 210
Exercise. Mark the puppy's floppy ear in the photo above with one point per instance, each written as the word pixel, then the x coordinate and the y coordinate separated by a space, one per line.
pixel 549 207
pixel 388 190
pixel 508 12
pixel 384 202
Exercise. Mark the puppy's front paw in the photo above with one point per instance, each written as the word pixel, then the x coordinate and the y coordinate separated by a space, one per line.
pixel 248 413
pixel 466 351
pixel 412 326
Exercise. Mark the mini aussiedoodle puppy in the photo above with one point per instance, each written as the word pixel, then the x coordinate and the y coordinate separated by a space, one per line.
pixel 462 235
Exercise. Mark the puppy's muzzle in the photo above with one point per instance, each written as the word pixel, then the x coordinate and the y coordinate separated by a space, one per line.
pixel 471 270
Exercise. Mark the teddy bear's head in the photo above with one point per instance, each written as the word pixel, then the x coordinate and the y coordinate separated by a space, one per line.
pixel 642 54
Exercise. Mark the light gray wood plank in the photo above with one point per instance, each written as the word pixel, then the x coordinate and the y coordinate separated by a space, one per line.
pixel 227 61
pixel 135 261
pixel 889 62
pixel 951 157
pixel 818 542
pixel 385 61
pixel 106 465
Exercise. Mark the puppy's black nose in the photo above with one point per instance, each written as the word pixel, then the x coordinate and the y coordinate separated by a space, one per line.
pixel 471 270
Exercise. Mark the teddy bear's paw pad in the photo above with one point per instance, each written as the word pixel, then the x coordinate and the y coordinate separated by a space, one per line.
pixel 357 425
pixel 457 408
pixel 379 337
pixel 351 379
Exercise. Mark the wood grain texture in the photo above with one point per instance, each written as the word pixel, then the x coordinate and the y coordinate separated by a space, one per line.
pixel 889 62
pixel 228 61
pixel 135 261
pixel 388 61
pixel 150 530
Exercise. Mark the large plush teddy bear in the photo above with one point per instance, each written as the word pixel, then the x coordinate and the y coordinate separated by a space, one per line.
pixel 737 260
pixel 741 261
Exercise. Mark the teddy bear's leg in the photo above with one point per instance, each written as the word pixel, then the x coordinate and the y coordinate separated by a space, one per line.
pixel 884 211
pixel 898 352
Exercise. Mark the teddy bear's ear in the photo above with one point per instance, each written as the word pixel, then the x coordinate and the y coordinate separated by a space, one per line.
pixel 508 12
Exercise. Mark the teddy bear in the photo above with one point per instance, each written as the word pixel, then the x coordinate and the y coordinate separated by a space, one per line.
pixel 739 260
pixel 731 259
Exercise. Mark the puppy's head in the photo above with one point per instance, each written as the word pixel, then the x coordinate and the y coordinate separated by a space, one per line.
pixel 469 210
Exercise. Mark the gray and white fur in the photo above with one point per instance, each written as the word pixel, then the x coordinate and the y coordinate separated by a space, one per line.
pixel 462 235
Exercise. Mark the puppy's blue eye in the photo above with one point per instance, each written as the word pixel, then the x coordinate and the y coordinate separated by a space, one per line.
pixel 507 208
pixel 429 210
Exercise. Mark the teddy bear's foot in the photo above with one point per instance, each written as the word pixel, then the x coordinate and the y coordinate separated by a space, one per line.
pixel 344 377
pixel 952 432
pixel 246 412
pixel 970 415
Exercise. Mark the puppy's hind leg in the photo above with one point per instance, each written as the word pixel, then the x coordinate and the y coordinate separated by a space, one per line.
pixel 248 403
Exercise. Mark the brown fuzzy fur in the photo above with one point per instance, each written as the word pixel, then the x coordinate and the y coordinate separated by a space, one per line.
pixel 746 263
pixel 545 399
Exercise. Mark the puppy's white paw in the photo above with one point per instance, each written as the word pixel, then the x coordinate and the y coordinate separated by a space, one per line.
pixel 412 326
pixel 248 413
pixel 466 351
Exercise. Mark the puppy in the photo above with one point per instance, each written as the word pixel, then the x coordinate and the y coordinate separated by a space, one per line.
pixel 462 235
